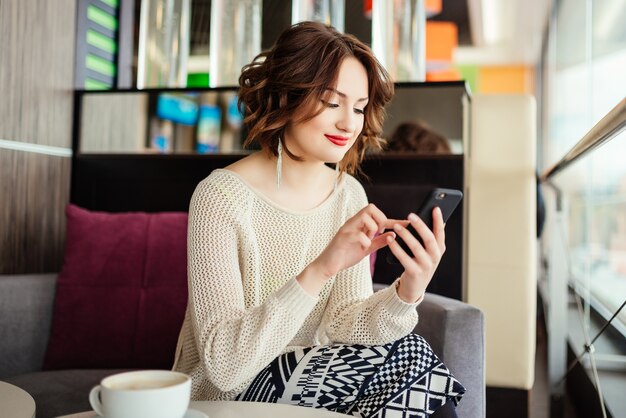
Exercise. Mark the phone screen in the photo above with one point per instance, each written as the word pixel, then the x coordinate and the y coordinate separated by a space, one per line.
pixel 446 199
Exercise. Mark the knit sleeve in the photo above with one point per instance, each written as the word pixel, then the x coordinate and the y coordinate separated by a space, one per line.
pixel 233 342
pixel 356 315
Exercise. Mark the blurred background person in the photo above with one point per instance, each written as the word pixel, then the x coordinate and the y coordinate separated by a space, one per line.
pixel 417 137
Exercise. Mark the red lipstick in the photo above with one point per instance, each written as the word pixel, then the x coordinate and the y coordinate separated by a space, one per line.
pixel 337 140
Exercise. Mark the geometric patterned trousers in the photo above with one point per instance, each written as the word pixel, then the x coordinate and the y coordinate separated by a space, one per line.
pixel 400 379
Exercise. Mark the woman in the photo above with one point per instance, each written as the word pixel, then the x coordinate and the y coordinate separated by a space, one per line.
pixel 280 295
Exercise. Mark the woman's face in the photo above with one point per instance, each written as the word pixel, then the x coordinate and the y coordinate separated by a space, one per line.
pixel 328 136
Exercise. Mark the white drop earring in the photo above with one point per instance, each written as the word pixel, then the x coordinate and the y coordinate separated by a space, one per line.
pixel 279 162
pixel 337 173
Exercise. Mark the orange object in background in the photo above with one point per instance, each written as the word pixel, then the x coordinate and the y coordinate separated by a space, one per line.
pixel 441 39
pixel 506 79
pixel 450 74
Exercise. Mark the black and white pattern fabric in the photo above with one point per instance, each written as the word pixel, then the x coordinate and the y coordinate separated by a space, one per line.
pixel 402 379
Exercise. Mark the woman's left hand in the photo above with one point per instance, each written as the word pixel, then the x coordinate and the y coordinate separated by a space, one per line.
pixel 419 266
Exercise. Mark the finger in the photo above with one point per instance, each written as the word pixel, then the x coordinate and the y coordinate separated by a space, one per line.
pixel 371 227
pixel 431 254
pixel 376 214
pixel 389 223
pixel 364 240
pixel 427 236
pixel 371 210
pixel 439 229
pixel 381 241
pixel 406 260
pixel 409 239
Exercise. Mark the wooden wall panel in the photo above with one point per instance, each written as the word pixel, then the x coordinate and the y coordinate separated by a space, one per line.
pixel 34 192
pixel 36 70
pixel 36 83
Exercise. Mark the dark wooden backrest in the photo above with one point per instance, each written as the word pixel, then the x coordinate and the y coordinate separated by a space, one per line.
pixel 154 183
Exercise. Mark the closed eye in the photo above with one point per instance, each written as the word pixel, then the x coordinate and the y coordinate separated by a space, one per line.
pixel 335 105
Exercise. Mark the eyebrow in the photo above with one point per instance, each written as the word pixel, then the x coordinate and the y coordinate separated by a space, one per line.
pixel 363 99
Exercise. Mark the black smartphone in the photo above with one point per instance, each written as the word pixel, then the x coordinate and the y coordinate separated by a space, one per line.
pixel 446 199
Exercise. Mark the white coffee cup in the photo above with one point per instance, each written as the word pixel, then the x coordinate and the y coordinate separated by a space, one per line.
pixel 144 393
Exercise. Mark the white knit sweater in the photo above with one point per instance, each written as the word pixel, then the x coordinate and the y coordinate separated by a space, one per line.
pixel 245 307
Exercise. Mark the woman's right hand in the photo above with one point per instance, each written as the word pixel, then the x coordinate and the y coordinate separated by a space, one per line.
pixel 356 239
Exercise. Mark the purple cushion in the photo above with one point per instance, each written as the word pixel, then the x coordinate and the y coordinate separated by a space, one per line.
pixel 373 262
pixel 122 291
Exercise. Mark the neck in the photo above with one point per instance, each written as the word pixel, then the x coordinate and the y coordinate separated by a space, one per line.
pixel 302 175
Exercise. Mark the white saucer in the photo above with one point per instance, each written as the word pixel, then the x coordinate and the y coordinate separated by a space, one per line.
pixel 194 413
pixel 191 413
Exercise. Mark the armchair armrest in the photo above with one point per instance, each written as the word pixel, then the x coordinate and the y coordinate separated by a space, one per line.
pixel 26 303
pixel 455 331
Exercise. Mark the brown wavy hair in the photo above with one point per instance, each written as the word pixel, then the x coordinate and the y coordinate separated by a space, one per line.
pixel 290 80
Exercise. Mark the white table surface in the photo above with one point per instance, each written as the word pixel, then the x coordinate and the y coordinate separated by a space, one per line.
pixel 231 409
pixel 15 402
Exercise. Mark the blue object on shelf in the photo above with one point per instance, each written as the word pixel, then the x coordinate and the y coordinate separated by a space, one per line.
pixel 209 129
pixel 234 115
pixel 177 108
pixel 161 143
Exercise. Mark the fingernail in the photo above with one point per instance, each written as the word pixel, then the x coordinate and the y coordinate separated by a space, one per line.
pixel 396 227
pixel 412 217
pixel 393 235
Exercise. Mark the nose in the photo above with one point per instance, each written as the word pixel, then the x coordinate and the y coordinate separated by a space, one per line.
pixel 347 121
